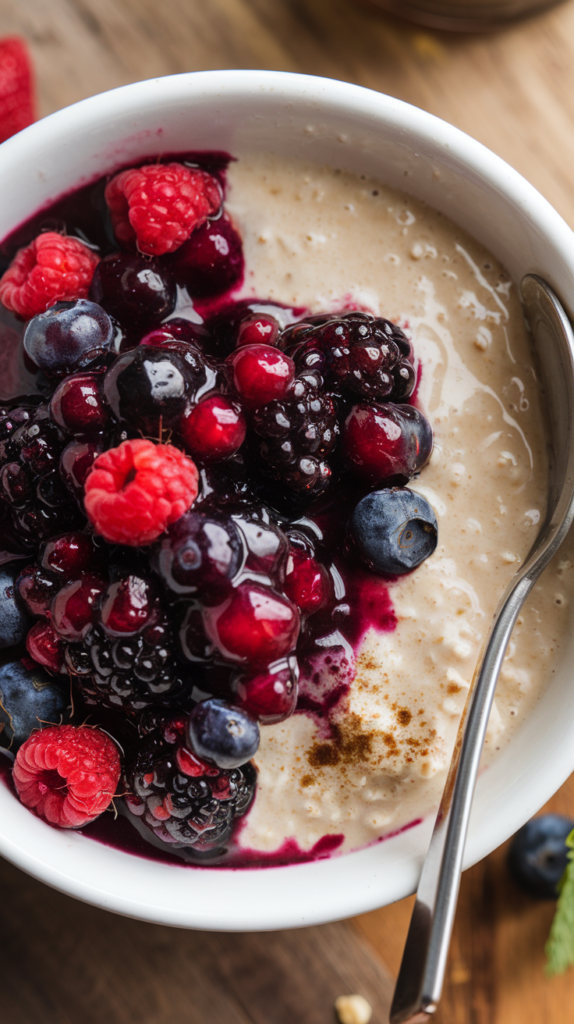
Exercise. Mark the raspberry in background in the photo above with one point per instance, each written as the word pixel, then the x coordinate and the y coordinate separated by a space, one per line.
pixel 16 87
pixel 135 491
pixel 50 269
pixel 159 205
pixel 67 774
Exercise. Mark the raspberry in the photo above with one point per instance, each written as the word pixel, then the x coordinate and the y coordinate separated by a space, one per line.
pixel 16 87
pixel 158 206
pixel 66 774
pixel 52 268
pixel 135 491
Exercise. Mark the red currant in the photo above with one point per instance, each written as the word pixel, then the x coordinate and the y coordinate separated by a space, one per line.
pixel 45 646
pixel 255 626
pixel 306 582
pixel 213 430
pixel 261 374
pixel 74 607
pixel 270 696
pixel 69 555
pixel 387 441
pixel 258 328
pixel 77 404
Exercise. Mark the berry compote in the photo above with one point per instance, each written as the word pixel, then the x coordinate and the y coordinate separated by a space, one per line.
pixel 200 493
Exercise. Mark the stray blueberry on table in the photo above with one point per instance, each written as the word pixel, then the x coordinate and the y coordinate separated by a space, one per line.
pixel 538 855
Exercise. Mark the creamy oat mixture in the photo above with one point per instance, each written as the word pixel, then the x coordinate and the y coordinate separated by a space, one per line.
pixel 318 238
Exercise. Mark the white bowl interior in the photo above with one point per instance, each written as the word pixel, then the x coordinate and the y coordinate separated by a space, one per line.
pixel 357 130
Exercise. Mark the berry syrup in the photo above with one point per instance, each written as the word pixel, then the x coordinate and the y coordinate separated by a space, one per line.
pixel 262 398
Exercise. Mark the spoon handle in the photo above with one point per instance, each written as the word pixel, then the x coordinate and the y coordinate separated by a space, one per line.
pixel 420 980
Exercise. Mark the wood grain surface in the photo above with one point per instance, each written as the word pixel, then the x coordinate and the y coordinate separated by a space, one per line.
pixel 64 963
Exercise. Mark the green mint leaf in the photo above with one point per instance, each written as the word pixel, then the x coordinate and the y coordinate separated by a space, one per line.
pixel 560 946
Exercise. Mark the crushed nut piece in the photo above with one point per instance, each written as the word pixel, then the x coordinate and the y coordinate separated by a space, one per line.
pixel 353 1010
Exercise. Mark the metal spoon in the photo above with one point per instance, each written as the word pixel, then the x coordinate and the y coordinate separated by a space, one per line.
pixel 419 984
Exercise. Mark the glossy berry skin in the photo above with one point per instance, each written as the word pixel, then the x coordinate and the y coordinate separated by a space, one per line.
pixel 266 547
pixel 36 589
pixel 76 462
pixel 260 374
pixel 29 698
pixel 211 261
pixel 538 855
pixel 393 530
pixel 67 774
pixel 221 733
pixel 177 329
pixel 46 646
pixel 67 337
pixel 257 329
pixel 75 606
pixel 254 626
pixel 133 288
pixel 68 555
pixel 135 491
pixel 200 555
pixel 270 696
pixel 151 387
pixel 77 405
pixel 14 621
pixel 128 606
pixel 213 430
pixel 306 582
pixel 53 268
pixel 384 442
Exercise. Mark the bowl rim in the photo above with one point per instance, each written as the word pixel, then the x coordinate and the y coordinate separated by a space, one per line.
pixel 68 863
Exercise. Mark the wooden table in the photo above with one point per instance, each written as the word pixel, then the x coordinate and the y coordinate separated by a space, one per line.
pixel 65 963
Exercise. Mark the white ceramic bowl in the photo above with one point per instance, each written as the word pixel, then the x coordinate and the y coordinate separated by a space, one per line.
pixel 361 131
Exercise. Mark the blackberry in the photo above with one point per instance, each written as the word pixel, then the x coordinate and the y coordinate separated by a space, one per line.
pixel 297 434
pixel 127 673
pixel 181 799
pixel 358 354
pixel 34 501
pixel 116 639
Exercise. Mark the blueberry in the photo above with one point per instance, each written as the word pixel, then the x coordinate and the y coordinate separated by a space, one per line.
pixel 68 337
pixel 394 530
pixel 200 553
pixel 14 622
pixel 151 387
pixel 221 733
pixel 29 699
pixel 538 855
